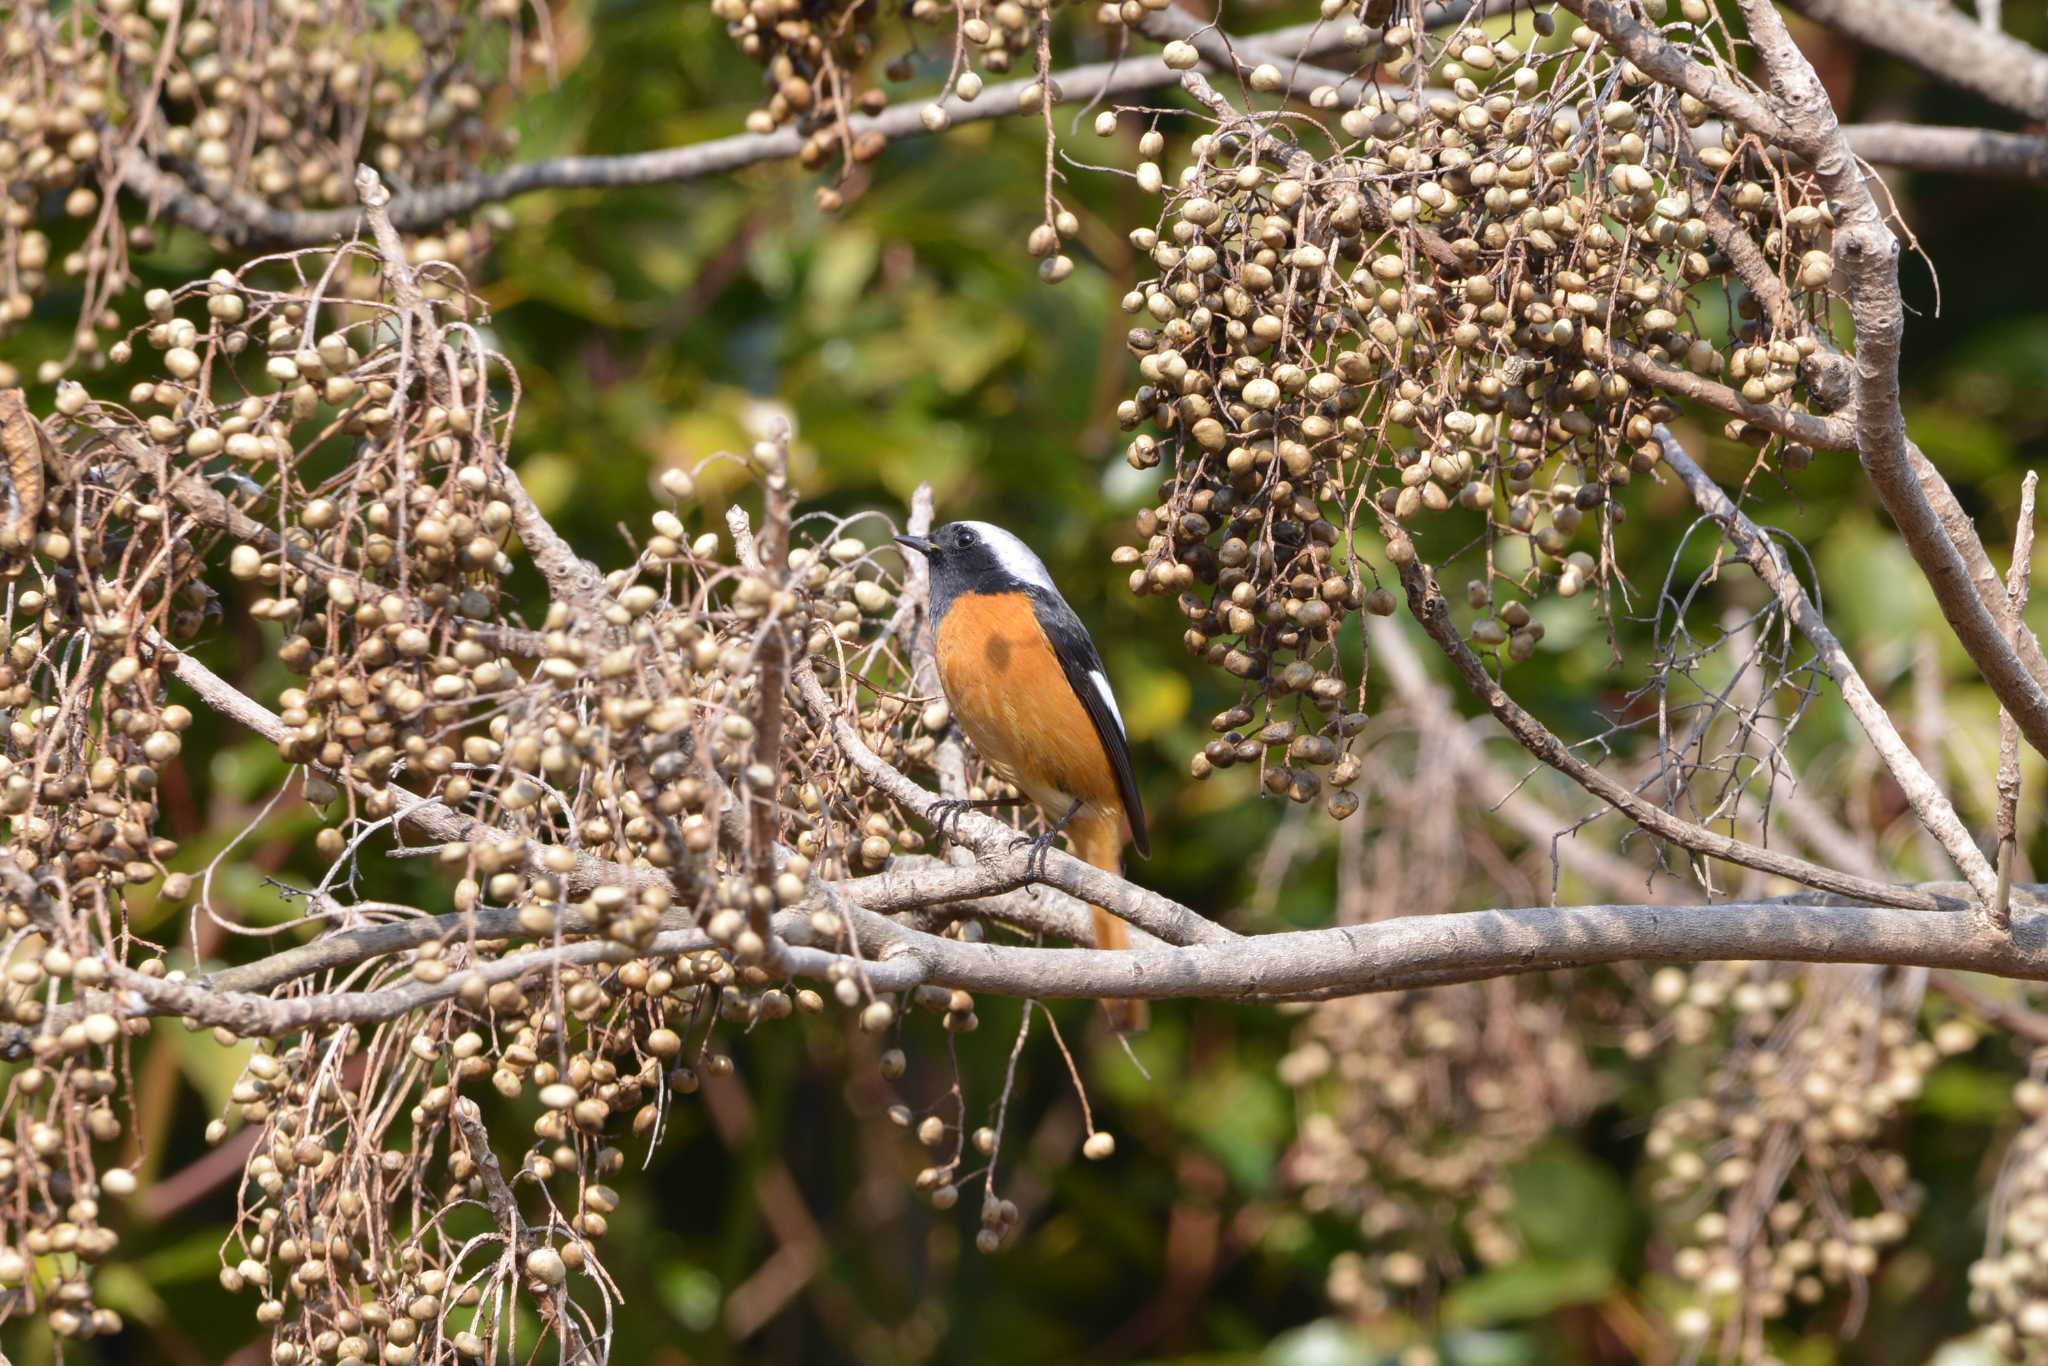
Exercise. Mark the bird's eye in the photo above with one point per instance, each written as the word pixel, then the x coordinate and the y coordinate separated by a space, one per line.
pixel 965 537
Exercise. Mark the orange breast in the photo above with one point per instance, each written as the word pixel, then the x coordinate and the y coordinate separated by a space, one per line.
pixel 1011 697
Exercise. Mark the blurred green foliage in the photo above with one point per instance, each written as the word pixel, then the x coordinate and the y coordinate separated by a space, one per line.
pixel 909 340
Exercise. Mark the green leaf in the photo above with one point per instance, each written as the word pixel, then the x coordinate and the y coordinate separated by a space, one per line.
pixel 1527 1289
pixel 1242 1116
pixel 1961 1093
pixel 839 272
pixel 692 1294
pixel 1325 1342
pixel 125 1289
pixel 212 1069
pixel 1570 1208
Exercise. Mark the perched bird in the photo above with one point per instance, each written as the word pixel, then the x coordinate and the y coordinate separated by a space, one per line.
pixel 1029 691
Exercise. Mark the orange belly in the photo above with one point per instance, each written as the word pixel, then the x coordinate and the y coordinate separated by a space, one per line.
pixel 1012 700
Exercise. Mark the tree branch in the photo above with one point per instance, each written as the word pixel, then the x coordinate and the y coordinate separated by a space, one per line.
pixel 246 220
pixel 1389 955
pixel 1802 121
pixel 1868 251
pixel 2017 584
pixel 1822 433
pixel 1402 953
pixel 1767 559
pixel 1951 151
pixel 1427 602
pixel 1941 42
pixel 1663 62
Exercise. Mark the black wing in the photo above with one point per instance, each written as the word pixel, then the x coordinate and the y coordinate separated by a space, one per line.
pixel 1090 682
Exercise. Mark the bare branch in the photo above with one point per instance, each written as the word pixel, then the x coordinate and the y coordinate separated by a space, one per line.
pixel 1435 950
pixel 2017 583
pixel 1398 954
pixel 1427 602
pixel 1767 559
pixel 1942 42
pixel 1951 151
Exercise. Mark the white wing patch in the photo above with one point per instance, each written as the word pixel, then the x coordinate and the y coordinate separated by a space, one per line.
pixel 1101 682
pixel 1014 556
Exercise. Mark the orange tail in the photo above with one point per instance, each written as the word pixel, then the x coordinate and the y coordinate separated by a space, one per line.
pixel 1099 840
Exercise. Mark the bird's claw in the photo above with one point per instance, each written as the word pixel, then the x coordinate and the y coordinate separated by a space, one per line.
pixel 945 817
pixel 1040 847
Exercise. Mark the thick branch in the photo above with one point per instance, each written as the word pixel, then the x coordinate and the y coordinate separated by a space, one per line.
pixel 1951 151
pixel 1868 252
pixel 1398 954
pixel 1389 955
pixel 1942 42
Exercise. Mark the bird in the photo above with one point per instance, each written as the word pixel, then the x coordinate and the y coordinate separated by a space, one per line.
pixel 1028 688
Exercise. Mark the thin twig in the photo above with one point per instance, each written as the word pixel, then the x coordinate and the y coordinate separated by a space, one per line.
pixel 2017 583
pixel 519 1239
pixel 1767 559
pixel 1427 602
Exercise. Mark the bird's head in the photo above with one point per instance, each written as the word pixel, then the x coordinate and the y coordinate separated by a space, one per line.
pixel 981 554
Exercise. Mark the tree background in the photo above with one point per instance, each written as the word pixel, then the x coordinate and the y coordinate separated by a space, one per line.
pixel 910 340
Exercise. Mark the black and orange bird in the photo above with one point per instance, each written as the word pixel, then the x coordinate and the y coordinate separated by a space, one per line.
pixel 1028 689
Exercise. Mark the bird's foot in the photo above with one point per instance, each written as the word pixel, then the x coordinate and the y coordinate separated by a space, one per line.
pixel 946 813
pixel 1039 849
pixel 945 817
pixel 1040 846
